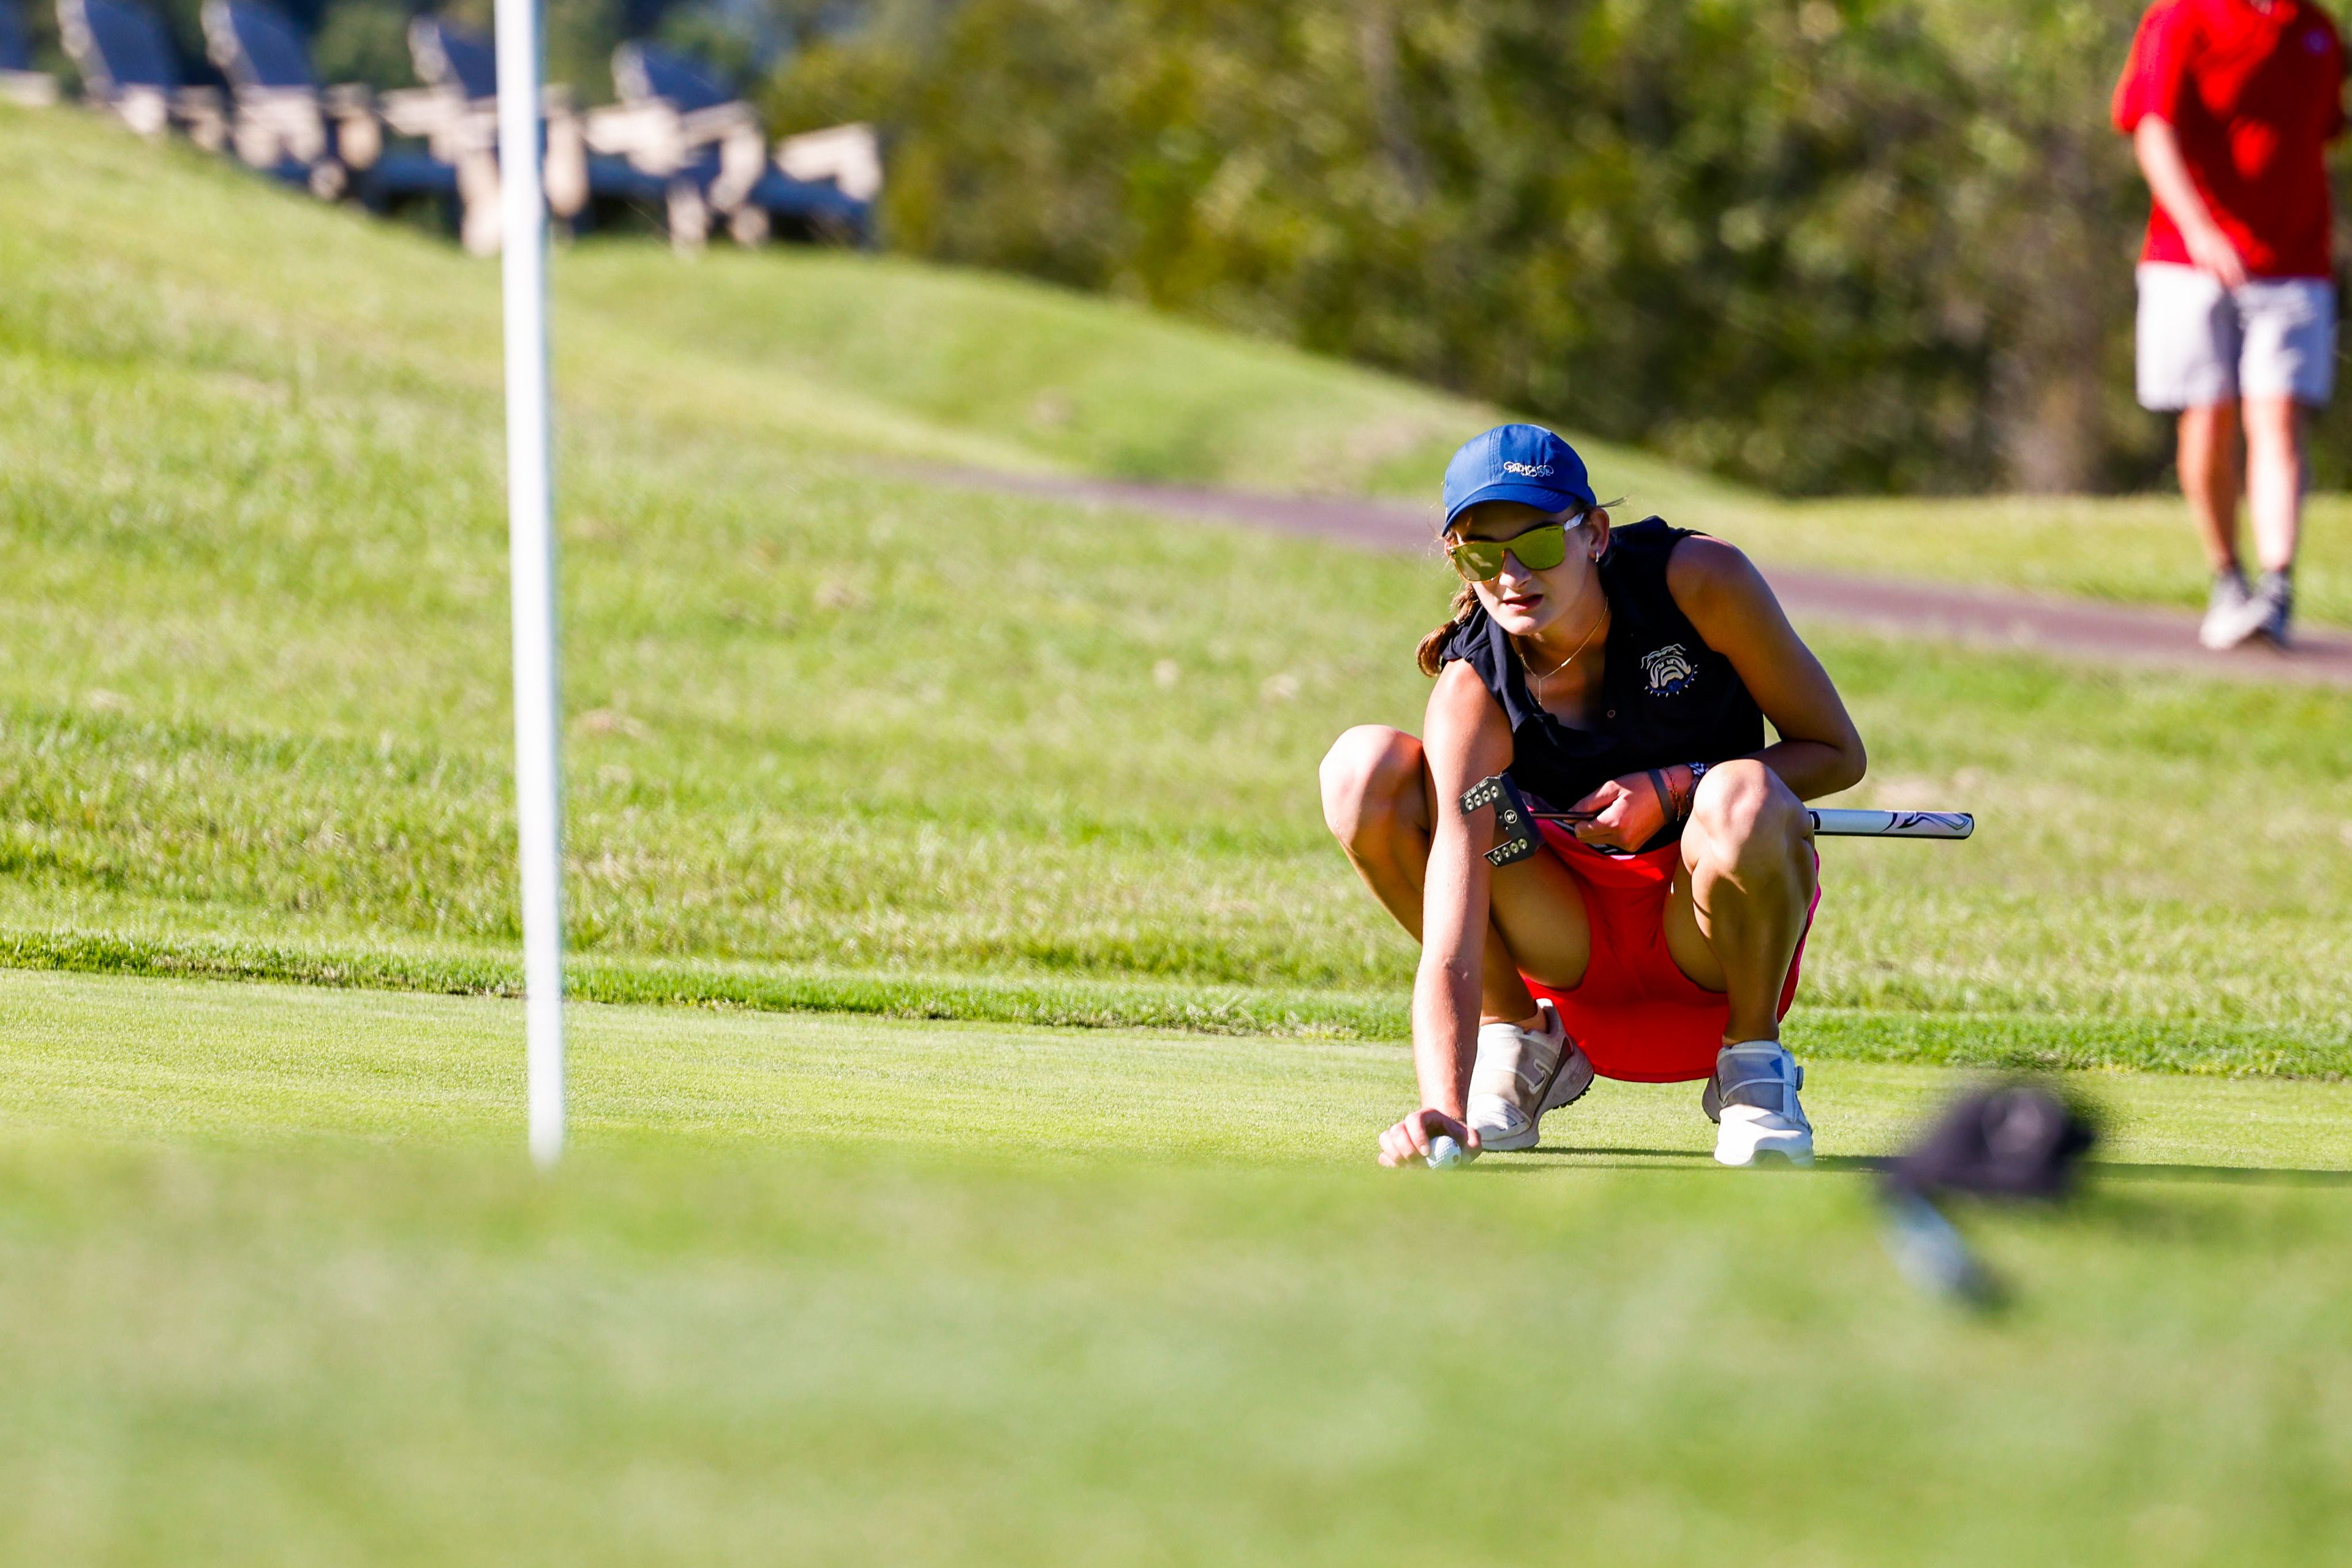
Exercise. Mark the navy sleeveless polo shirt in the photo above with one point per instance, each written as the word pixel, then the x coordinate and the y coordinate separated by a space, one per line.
pixel 1665 696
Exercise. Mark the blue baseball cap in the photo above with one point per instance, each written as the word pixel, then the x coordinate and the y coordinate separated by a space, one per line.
pixel 1515 462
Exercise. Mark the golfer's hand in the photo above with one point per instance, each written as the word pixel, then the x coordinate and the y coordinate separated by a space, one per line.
pixel 1627 813
pixel 1409 1140
pixel 2210 249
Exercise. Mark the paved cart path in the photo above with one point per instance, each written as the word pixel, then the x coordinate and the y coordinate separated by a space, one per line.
pixel 1998 618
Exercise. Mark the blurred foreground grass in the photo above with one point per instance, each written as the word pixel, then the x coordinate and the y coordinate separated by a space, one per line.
pixel 276 1286
pixel 844 735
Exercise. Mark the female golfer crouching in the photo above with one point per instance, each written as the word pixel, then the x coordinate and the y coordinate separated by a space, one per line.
pixel 1626 673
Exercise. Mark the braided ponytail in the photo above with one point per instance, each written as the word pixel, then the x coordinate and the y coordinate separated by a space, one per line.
pixel 1431 654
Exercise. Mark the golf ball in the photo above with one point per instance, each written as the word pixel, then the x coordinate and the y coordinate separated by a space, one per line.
pixel 1444 1153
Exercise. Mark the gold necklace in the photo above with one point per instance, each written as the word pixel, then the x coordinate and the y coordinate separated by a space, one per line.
pixel 1589 634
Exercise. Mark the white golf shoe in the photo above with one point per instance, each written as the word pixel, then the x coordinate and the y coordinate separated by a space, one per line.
pixel 1521 1074
pixel 1752 1100
pixel 2238 614
pixel 2231 614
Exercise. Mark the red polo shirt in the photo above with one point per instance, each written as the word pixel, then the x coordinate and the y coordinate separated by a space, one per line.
pixel 2254 97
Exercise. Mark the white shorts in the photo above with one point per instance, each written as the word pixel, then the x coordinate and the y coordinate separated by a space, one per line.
pixel 2200 343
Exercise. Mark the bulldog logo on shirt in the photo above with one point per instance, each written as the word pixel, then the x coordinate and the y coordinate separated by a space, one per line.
pixel 1669 670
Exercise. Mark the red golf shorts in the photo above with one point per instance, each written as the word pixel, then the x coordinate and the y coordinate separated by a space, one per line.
pixel 1635 1013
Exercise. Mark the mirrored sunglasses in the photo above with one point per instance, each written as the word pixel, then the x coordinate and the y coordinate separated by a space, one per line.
pixel 1539 549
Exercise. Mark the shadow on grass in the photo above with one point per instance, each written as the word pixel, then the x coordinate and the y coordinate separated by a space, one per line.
pixel 1628 1159
pixel 1613 1158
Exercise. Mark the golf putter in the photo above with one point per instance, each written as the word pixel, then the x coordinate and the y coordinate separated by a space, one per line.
pixel 1515 824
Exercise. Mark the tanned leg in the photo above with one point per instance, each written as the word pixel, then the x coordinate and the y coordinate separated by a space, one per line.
pixel 1376 801
pixel 1738 910
pixel 2208 479
pixel 2275 475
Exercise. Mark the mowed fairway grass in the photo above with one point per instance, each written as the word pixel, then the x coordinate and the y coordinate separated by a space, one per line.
pixel 843 734
pixel 277 1286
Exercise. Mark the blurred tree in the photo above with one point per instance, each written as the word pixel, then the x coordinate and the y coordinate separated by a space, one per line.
pixel 364 40
pixel 2052 207
pixel 1819 244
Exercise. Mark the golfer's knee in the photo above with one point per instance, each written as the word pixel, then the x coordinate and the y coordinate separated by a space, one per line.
pixel 1744 817
pixel 1366 777
pixel 2271 426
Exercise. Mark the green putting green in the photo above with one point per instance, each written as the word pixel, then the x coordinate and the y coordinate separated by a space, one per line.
pixel 278 1285
pixel 101 1059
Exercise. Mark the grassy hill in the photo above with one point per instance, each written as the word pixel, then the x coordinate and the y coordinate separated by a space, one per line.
pixel 117 250
pixel 846 355
pixel 844 735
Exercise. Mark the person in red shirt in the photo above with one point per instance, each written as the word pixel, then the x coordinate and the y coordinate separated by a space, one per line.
pixel 2230 105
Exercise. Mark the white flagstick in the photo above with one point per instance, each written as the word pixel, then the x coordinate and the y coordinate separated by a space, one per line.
pixel 531 542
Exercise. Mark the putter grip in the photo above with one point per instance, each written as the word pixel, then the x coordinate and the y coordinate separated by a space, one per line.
pixel 1845 824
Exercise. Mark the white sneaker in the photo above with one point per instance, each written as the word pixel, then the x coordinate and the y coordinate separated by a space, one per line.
pixel 2232 614
pixel 1752 1098
pixel 1521 1074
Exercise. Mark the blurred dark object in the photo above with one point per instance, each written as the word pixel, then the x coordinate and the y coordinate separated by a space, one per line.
pixel 19 82
pixel 2018 1140
pixel 127 64
pixel 1932 1254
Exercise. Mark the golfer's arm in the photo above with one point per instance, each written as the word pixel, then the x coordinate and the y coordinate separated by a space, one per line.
pixel 1465 739
pixel 1819 751
pixel 2159 150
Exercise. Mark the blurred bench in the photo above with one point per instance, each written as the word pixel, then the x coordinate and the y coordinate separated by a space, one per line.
pixel 457 128
pixel 680 124
pixel 127 64
pixel 459 105
pixel 283 124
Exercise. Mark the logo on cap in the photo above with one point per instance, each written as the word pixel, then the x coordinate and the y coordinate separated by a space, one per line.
pixel 1530 470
